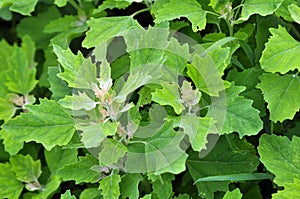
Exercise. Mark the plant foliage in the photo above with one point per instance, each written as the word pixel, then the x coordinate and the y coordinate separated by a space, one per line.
pixel 149 99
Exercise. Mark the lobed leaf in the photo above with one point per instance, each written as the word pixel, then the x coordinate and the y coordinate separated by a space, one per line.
pixel 46 123
pixel 282 93
pixel 280 54
pixel 190 9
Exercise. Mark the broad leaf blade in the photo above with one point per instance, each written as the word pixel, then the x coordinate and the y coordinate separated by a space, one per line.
pixel 281 52
pixel 282 93
pixel 295 12
pixel 129 185
pixel 46 123
pixel 158 152
pixel 20 77
pixel 169 95
pixel 26 169
pixel 235 194
pixel 190 9
pixel 112 151
pixel 106 28
pixel 57 158
pixel 205 75
pixel 10 187
pixel 240 116
pixel 80 171
pixel 110 186
pixel 229 156
pixel 197 128
pixel 281 157
pixel 79 72
pixel 291 190
pixel 263 8
pixel 34 26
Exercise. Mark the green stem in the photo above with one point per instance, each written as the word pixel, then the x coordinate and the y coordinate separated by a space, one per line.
pixel 295 31
pixel 238 9
pixel 75 5
pixel 230 27
pixel 140 11
pixel 212 13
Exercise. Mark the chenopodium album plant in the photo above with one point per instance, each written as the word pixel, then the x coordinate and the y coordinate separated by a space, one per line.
pixel 150 107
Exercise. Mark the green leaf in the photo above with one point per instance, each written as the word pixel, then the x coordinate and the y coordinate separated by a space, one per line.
pixel 129 185
pixel 7 109
pixel 190 9
pixel 67 195
pixel 138 77
pixel 26 169
pixel 66 28
pixel 6 51
pixel 93 134
pixel 61 24
pixel 111 4
pixel 50 188
pixel 235 194
pixel 20 76
pixel 112 151
pixel 162 188
pixel 10 145
pixel 295 10
pixel 249 79
pixel 5 14
pixel 176 55
pixel 239 115
pixel 291 190
pixel 58 87
pixel 262 8
pixel 147 47
pixel 282 93
pixel 169 95
pixel 229 156
pixel 157 151
pixel 280 156
pixel 106 28
pixel 105 81
pixel 34 26
pixel 46 123
pixel 60 3
pixel 78 102
pixel 283 10
pixel 236 177
pixel 24 7
pixel 197 128
pixel 10 187
pixel 280 54
pixel 218 5
pixel 205 75
pixel 90 193
pixel 79 72
pixel 28 46
pixel 80 171
pixel 110 186
pixel 148 196
pixel 57 158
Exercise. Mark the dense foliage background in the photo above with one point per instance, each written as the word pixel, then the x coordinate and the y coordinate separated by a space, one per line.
pixel 102 99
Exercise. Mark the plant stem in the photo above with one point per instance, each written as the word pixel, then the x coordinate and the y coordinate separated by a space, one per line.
pixel 140 11
pixel 230 27
pixel 76 6
pixel 212 13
